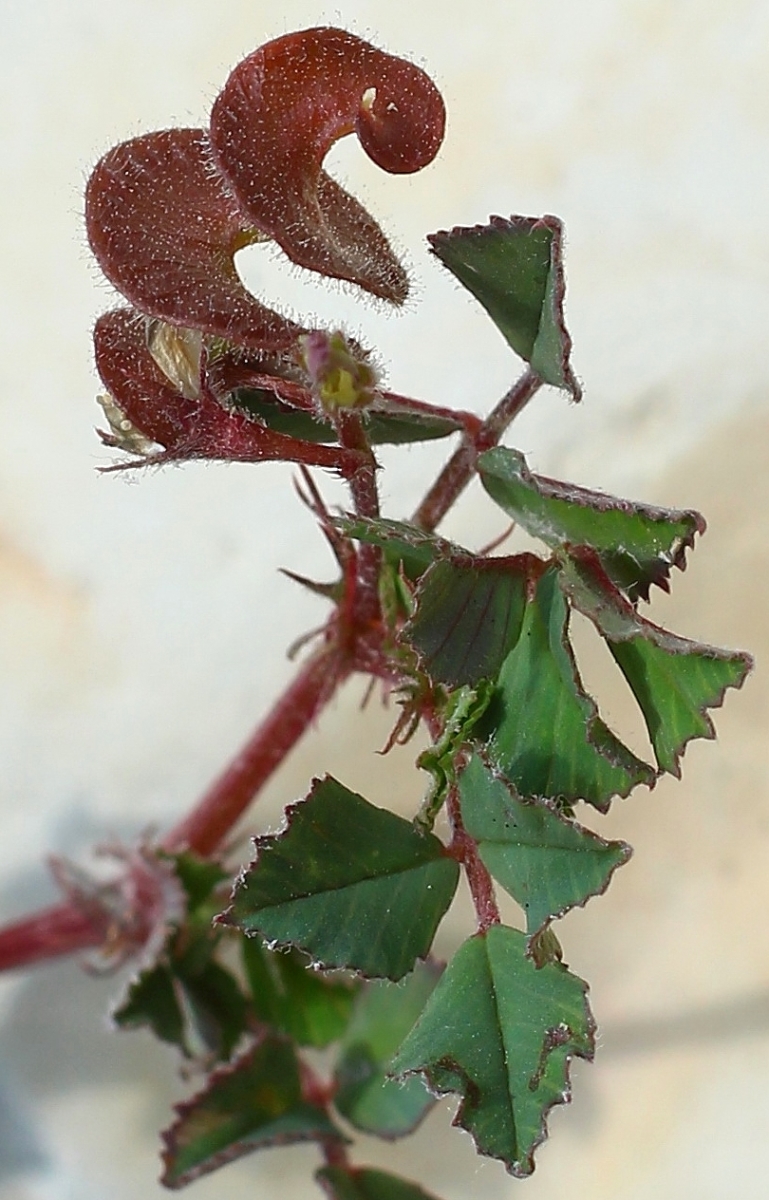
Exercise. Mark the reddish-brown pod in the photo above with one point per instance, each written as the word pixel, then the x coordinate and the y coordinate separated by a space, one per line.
pixel 190 426
pixel 277 116
pixel 164 228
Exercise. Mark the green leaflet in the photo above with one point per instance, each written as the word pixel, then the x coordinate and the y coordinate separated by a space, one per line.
pixel 251 1105
pixel 468 616
pixel 546 862
pixel 514 268
pixel 363 1183
pixel 638 544
pixel 384 1014
pixel 352 885
pixel 673 679
pixel 544 732
pixel 288 994
pixel 501 1032
pixel 386 423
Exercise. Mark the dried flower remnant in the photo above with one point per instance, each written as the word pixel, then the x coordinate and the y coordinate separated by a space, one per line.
pixel 278 115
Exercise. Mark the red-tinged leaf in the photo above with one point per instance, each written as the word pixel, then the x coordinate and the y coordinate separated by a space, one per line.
pixel 514 268
pixel 674 680
pixel 352 885
pixel 469 613
pixel 638 544
pixel 280 112
pixel 251 1105
pixel 501 1032
pixel 189 427
pixel 364 1183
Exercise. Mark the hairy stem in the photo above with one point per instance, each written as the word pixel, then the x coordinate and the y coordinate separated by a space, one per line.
pixel 460 468
pixel 232 792
pixel 465 849
pixel 49 933
pixel 365 496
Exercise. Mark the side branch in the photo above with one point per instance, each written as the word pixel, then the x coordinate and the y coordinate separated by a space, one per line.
pixel 460 468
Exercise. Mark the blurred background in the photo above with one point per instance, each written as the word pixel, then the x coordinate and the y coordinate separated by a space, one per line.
pixel 142 619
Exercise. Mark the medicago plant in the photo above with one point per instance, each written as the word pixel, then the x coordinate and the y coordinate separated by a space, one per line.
pixel 475 647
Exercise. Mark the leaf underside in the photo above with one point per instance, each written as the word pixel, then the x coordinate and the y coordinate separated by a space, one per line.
pixel 400 541
pixel 253 1104
pixel 514 268
pixel 545 735
pixel 638 544
pixel 364 1183
pixel 364 1095
pixel 352 885
pixel 674 680
pixel 546 862
pixel 501 1033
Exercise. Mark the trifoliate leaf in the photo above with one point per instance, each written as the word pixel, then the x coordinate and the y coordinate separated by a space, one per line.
pixel 637 543
pixel 501 1032
pixel 352 885
pixel 546 862
pixel 384 1014
pixel 468 617
pixel 544 732
pixel 310 1008
pixel 253 1104
pixel 673 679
pixel 364 1183
pixel 514 268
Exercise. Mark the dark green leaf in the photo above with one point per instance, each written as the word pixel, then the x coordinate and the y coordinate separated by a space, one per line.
pixel 151 1001
pixel 638 544
pixel 468 616
pixel 545 734
pixel 252 1104
pixel 386 423
pixel 673 679
pixel 287 993
pixel 352 885
pixel 200 1009
pixel 384 1014
pixel 546 862
pixel 363 1183
pixel 501 1033
pixel 514 268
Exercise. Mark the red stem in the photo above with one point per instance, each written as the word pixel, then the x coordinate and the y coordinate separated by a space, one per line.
pixel 50 933
pixel 460 468
pixel 228 797
pixel 465 849
pixel 365 496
